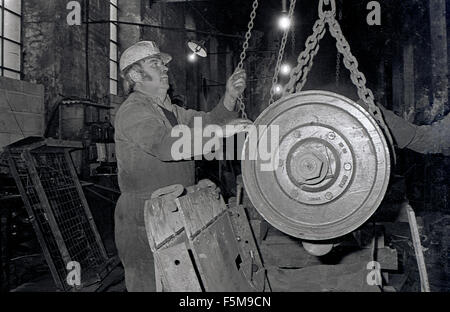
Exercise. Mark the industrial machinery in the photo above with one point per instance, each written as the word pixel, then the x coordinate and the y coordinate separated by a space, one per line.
pixel 333 171
pixel 333 157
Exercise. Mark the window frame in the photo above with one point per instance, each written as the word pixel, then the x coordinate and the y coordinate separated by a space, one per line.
pixel 4 68
pixel 115 43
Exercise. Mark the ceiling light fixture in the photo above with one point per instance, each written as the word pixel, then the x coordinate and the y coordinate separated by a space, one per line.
pixel 285 69
pixel 277 89
pixel 192 57
pixel 197 47
pixel 284 22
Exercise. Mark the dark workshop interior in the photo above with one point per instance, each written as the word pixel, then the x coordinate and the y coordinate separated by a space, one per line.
pixel 61 89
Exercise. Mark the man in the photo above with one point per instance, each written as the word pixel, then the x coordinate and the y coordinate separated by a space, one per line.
pixel 426 139
pixel 143 139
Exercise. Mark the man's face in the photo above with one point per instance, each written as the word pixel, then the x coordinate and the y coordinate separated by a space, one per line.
pixel 154 74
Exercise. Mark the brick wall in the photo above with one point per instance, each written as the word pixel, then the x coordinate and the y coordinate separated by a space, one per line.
pixel 21 110
pixel 54 55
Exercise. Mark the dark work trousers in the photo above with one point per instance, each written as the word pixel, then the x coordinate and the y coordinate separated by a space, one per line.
pixel 132 243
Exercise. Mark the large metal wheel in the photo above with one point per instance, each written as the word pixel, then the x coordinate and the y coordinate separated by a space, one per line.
pixel 333 167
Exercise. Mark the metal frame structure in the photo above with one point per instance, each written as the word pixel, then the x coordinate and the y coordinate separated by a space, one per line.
pixel 54 199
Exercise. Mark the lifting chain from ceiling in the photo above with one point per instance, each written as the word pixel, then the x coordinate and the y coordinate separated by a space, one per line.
pixel 330 165
pixel 305 61
pixel 243 55
pixel 293 42
pixel 338 55
pixel 281 53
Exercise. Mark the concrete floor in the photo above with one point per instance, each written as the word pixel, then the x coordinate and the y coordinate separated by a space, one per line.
pixel 114 282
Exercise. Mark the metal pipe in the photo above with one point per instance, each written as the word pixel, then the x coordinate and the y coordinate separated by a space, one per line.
pixel 168 28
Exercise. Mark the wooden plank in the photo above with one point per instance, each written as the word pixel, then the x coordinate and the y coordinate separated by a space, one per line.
pixel 167 238
pixel 243 232
pixel 162 218
pixel 178 239
pixel 200 208
pixel 425 285
pixel 177 270
pixel 34 222
pixel 218 259
pixel 87 211
pixel 247 245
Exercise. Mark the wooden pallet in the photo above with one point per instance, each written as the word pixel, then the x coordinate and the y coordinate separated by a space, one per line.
pixel 200 244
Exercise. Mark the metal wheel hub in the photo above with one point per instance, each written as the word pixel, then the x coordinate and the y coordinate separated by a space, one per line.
pixel 333 169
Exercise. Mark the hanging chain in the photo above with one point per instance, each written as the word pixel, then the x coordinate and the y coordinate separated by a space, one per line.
pixel 281 53
pixel 338 56
pixel 338 68
pixel 357 77
pixel 243 54
pixel 293 42
pixel 331 12
pixel 305 61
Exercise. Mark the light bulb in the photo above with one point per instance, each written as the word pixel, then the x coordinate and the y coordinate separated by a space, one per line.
pixel 284 22
pixel 277 88
pixel 285 69
pixel 192 57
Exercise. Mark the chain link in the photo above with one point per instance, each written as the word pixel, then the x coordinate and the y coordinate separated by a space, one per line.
pixel 243 54
pixel 293 43
pixel 281 53
pixel 248 35
pixel 338 68
pixel 322 13
pixel 305 61
pixel 338 56
pixel 357 77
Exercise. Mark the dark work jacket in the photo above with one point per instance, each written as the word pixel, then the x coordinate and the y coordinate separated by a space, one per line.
pixel 426 139
pixel 143 150
pixel 143 144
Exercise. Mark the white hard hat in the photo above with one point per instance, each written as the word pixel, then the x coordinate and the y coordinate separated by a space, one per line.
pixel 140 51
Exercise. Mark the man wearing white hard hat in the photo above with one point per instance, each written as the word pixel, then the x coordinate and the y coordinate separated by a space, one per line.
pixel 143 126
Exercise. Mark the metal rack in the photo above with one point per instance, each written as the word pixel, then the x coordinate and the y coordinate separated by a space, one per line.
pixel 49 186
